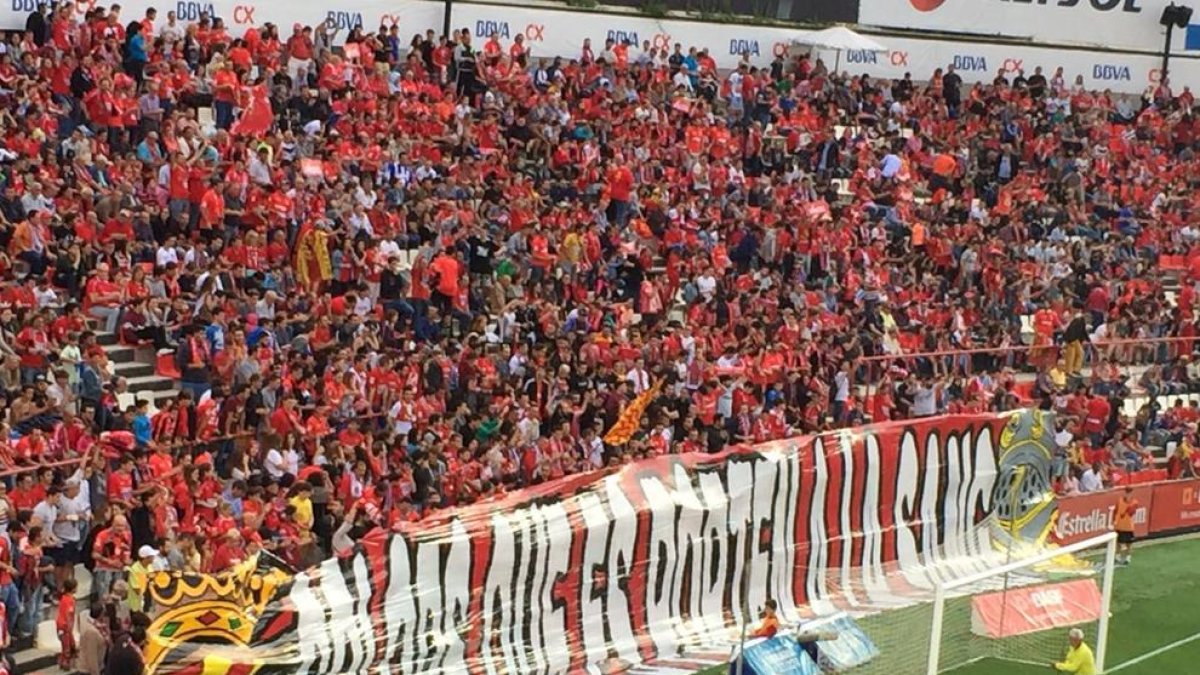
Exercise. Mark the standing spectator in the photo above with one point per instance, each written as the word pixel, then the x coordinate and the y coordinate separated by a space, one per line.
pixel 1075 335
pixel 125 654
pixel 193 360
pixel 10 596
pixel 34 565
pixel 74 510
pixel 135 52
pixel 93 645
pixel 111 554
pixel 299 50
pixel 64 623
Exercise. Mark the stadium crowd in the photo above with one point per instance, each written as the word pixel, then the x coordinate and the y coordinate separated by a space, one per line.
pixel 397 276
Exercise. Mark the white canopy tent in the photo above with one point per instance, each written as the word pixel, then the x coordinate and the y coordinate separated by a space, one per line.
pixel 839 39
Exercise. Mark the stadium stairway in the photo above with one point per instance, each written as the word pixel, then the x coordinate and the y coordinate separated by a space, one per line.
pixel 39 652
pixel 136 364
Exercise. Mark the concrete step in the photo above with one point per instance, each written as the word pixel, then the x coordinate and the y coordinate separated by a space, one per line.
pixel 39 654
pixel 37 661
pixel 131 369
pixel 150 383
pixel 105 338
pixel 120 353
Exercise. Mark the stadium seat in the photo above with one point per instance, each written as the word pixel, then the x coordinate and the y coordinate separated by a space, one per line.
pixel 164 365
pixel 1172 263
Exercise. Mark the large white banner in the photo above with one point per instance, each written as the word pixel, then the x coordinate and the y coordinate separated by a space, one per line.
pixel 1121 24
pixel 599 572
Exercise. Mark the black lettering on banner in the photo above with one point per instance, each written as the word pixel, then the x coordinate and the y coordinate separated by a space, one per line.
pixel 873 554
pixel 535 604
pixel 401 579
pixel 714 594
pixel 773 519
pixel 689 532
pixel 655 558
pixel 982 476
pixel 350 616
pixel 621 586
pixel 320 591
pixel 598 521
pixel 930 498
pixel 740 481
pixel 959 463
pixel 513 615
pixel 818 587
pixel 660 621
pixel 907 515
pixel 766 485
pixel 840 501
pixel 852 499
pixel 497 587
pixel 522 609
pixel 455 595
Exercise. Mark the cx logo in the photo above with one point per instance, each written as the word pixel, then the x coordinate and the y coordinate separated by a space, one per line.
pixel 534 32
pixel 1013 65
pixel 389 20
pixel 662 41
pixel 782 49
pixel 243 15
pixel 899 59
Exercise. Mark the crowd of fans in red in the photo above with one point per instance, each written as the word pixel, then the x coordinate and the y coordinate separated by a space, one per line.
pixel 401 277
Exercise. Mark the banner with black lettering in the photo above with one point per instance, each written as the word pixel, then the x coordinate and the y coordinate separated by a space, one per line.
pixel 654 560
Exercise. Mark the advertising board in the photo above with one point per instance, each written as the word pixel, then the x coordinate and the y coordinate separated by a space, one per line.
pixel 1109 24
pixel 554 32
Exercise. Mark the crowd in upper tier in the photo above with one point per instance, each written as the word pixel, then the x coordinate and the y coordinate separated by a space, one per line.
pixel 401 275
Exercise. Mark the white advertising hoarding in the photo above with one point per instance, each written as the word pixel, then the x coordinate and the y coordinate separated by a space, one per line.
pixel 1119 24
pixel 551 33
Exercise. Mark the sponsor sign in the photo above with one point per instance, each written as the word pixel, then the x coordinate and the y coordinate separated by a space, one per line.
pixel 243 15
pixel 1091 515
pixel 552 32
pixel 1176 506
pixel 1163 508
pixel 1123 24
pixel 1029 609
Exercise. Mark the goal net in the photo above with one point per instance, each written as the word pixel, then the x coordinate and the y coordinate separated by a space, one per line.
pixel 1023 611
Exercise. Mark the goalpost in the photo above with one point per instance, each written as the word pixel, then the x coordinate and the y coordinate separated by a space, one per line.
pixel 1021 611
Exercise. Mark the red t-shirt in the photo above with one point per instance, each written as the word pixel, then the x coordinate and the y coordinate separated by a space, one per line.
pixel 120 486
pixel 110 545
pixel 1098 411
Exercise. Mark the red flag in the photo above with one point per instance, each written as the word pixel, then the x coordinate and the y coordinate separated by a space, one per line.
pixel 257 118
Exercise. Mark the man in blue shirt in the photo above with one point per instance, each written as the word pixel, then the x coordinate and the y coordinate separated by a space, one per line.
pixel 141 423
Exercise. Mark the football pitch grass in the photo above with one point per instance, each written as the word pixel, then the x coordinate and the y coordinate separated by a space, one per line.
pixel 1154 629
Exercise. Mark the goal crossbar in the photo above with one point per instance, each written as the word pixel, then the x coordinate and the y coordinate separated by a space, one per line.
pixel 942 590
